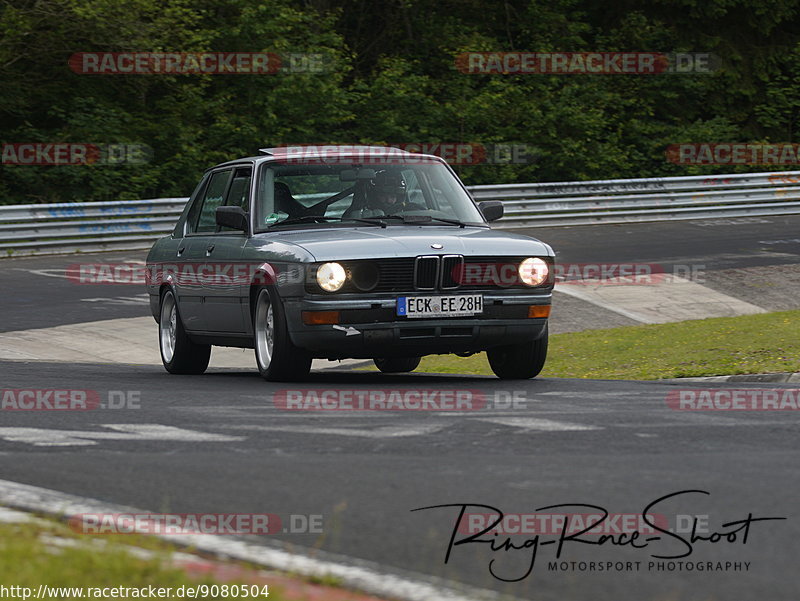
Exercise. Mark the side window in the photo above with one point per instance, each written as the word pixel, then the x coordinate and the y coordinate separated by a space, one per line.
pixel 212 198
pixel 239 191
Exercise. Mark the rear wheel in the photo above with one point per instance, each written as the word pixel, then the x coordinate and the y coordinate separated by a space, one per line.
pixel 519 361
pixel 397 365
pixel 178 353
pixel 277 358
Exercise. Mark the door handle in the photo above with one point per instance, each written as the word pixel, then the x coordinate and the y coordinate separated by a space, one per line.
pixel 209 249
pixel 180 250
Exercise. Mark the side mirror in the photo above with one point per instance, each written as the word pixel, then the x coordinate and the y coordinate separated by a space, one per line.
pixel 233 217
pixel 492 210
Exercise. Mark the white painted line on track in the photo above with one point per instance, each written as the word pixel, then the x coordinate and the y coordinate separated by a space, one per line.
pixel 46 437
pixel 139 299
pixel 377 432
pixel 538 425
pixel 353 573
pixel 48 273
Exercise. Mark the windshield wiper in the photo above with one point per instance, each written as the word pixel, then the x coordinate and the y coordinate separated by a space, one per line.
pixel 303 219
pixel 370 220
pixel 415 219
pixel 450 221
pixel 377 220
pixel 323 219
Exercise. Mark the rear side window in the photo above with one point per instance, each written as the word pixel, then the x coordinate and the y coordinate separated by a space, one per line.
pixel 212 198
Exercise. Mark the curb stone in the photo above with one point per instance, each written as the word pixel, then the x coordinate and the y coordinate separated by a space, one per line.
pixel 783 378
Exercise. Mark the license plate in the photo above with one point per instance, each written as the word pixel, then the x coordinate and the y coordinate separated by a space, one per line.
pixel 440 306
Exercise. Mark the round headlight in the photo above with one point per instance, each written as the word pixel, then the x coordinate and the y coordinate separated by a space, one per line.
pixel 533 271
pixel 331 276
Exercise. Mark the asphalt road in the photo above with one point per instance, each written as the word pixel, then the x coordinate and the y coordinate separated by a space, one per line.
pixel 612 444
pixel 37 292
pixel 714 243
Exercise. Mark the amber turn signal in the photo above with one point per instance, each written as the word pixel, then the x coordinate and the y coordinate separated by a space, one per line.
pixel 318 318
pixel 539 311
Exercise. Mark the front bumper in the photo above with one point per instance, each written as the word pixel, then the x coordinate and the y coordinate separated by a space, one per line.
pixel 369 327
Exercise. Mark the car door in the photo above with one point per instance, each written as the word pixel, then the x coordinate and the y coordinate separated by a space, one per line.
pixel 226 289
pixel 198 245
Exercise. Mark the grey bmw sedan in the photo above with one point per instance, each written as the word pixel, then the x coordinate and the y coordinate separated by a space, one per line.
pixel 346 252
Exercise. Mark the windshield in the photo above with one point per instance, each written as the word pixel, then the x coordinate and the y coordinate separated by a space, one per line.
pixel 416 191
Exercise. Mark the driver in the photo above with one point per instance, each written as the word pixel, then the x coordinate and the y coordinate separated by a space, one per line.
pixel 387 193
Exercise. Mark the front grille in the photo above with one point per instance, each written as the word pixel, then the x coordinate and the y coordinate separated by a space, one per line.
pixel 395 275
pixel 452 271
pixel 426 273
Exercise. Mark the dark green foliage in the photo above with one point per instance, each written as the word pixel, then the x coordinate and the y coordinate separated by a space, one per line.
pixel 392 79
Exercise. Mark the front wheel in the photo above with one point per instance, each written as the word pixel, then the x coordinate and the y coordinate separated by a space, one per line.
pixel 397 365
pixel 277 358
pixel 519 361
pixel 178 353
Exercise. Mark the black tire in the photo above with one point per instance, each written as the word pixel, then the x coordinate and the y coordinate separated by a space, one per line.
pixel 182 356
pixel 397 365
pixel 277 359
pixel 519 361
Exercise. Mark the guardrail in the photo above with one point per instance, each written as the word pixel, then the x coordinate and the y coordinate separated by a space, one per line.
pixel 647 199
pixel 135 224
pixel 40 229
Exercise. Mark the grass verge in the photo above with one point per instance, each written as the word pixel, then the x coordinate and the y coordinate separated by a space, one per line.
pixel 27 559
pixel 46 552
pixel 762 343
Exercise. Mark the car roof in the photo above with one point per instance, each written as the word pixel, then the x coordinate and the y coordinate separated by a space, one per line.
pixel 332 149
pixel 360 152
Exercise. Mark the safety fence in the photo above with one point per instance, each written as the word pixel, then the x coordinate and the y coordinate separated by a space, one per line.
pixel 135 224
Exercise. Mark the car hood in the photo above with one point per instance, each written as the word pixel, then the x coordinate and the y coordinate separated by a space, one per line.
pixel 409 241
